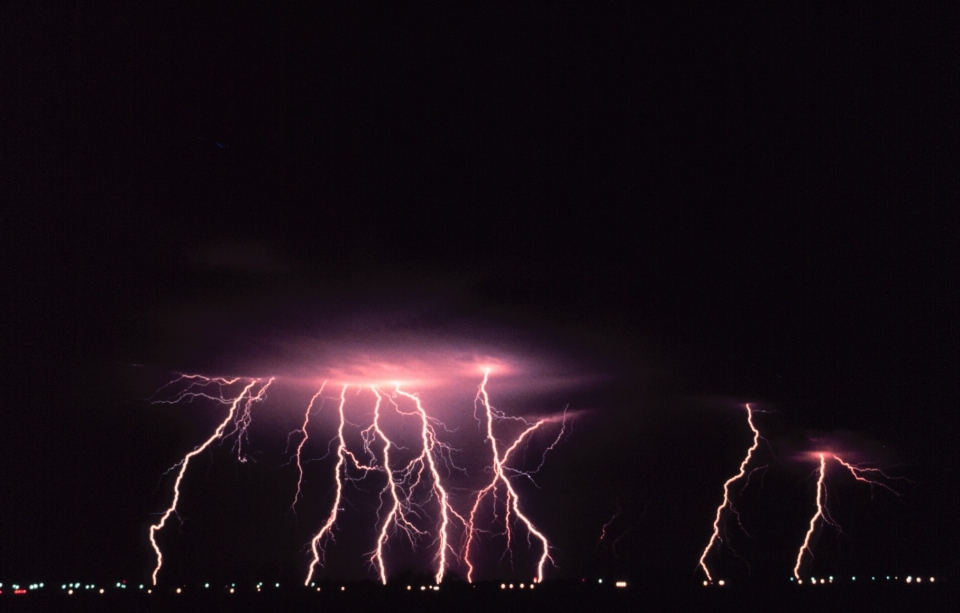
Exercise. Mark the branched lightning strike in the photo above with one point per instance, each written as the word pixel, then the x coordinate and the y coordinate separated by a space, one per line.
pixel 822 511
pixel 303 441
pixel 499 476
pixel 316 544
pixel 426 459
pixel 397 515
pixel 197 389
pixel 821 473
pixel 726 494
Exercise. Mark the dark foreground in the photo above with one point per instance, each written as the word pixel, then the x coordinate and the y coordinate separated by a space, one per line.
pixel 493 599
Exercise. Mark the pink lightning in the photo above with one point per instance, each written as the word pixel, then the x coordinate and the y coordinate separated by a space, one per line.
pixel 197 389
pixel 429 439
pixel 303 441
pixel 606 526
pixel 499 476
pixel 397 513
pixel 822 510
pixel 726 494
pixel 402 508
pixel 813 520
pixel 316 544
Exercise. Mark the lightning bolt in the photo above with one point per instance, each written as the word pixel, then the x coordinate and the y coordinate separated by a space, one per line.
pixel 316 544
pixel 396 516
pixel 607 524
pixel 426 459
pixel 822 511
pixel 726 494
pixel 197 388
pixel 303 441
pixel 500 477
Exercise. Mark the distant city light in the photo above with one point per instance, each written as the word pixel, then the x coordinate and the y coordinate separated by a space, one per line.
pixel 721 583
pixel 101 590
pixel 931 579
pixel 618 584
pixel 909 579
pixel 231 590
pixel 70 591
pixel 179 590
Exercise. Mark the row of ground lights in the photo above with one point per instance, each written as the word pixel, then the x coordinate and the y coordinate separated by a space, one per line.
pixel 909 579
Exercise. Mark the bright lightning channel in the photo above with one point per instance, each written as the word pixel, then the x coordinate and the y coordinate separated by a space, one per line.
pixel 303 441
pixel 197 388
pixel 822 511
pixel 500 476
pixel 397 515
pixel 726 494
pixel 340 473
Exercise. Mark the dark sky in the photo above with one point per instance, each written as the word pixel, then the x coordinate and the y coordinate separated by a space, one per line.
pixel 698 208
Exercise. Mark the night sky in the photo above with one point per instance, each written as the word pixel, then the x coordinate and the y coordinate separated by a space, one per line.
pixel 668 213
